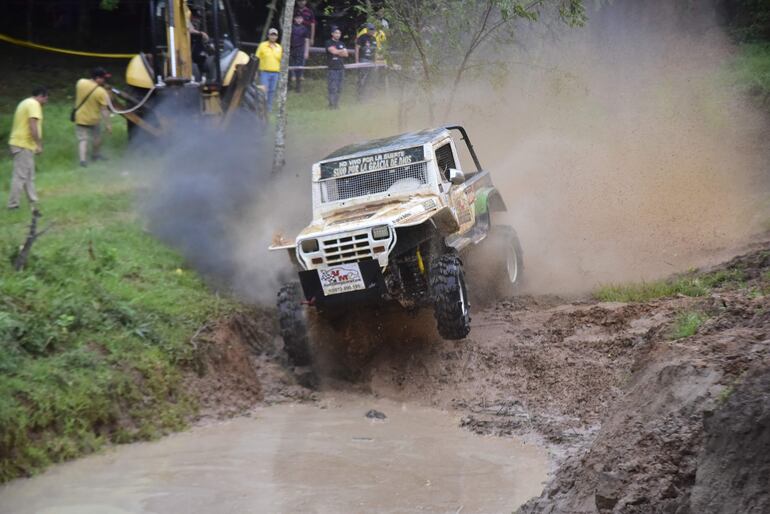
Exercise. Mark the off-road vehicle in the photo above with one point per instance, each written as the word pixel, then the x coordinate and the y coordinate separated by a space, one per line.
pixel 396 220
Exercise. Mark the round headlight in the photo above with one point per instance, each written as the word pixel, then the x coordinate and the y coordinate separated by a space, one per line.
pixel 309 245
pixel 380 232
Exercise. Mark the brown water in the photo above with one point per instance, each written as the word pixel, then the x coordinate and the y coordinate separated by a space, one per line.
pixel 297 458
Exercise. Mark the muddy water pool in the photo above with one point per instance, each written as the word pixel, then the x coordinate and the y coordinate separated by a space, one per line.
pixel 326 458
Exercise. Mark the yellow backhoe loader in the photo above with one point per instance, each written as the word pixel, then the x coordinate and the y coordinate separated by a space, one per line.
pixel 194 68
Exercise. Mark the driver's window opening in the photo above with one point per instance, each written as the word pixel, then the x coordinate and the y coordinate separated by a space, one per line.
pixel 445 159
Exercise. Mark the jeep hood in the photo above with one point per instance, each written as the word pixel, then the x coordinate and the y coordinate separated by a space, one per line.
pixel 401 213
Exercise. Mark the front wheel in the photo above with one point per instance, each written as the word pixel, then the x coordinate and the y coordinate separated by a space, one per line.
pixel 451 307
pixel 292 319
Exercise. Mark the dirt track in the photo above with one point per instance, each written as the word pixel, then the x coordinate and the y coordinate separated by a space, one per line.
pixel 631 417
pixel 633 420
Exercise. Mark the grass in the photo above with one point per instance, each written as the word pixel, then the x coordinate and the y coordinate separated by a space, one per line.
pixel 751 69
pixel 687 324
pixel 94 333
pixel 690 284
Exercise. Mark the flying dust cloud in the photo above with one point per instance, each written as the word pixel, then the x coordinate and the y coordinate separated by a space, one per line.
pixel 622 149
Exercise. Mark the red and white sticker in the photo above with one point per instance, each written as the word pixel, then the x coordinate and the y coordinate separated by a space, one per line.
pixel 342 278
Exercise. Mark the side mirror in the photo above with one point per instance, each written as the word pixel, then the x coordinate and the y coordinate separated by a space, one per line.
pixel 456 177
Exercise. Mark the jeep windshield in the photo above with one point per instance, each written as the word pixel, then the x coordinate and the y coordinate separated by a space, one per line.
pixel 385 173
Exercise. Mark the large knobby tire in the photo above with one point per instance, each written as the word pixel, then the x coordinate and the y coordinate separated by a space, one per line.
pixel 508 266
pixel 451 307
pixel 292 319
pixel 255 100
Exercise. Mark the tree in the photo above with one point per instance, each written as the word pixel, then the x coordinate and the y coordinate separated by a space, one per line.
pixel 439 41
pixel 279 150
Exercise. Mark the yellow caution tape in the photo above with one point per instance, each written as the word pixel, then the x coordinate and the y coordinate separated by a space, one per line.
pixel 27 44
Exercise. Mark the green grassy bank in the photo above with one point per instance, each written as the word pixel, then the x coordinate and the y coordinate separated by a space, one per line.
pixel 751 69
pixel 94 333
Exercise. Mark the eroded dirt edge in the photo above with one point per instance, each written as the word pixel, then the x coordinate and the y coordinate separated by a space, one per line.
pixel 635 420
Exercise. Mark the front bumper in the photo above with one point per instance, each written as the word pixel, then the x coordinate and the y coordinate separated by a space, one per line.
pixel 371 274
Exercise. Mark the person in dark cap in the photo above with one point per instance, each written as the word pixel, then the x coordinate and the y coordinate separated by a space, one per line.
pixel 91 111
pixel 366 49
pixel 335 53
pixel 299 52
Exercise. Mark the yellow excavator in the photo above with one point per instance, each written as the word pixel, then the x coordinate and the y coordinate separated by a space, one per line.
pixel 193 68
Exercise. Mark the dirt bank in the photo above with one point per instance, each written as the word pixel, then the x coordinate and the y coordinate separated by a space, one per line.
pixel 635 420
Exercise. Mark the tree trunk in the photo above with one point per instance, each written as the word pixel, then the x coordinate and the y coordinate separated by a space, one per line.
pixel 279 150
pixel 270 14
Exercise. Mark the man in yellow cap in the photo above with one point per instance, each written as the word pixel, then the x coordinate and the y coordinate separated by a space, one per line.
pixel 26 141
pixel 269 54
pixel 91 112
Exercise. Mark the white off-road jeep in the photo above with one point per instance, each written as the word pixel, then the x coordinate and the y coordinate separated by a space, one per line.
pixel 396 220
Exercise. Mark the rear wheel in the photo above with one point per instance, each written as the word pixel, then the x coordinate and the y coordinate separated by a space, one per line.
pixel 451 307
pixel 508 265
pixel 292 319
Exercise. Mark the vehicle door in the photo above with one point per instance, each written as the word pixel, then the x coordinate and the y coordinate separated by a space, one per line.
pixel 461 197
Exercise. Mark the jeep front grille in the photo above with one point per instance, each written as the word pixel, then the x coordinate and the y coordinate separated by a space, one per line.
pixel 347 248
pixel 354 186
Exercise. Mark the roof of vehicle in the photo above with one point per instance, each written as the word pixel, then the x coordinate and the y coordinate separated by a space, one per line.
pixel 389 143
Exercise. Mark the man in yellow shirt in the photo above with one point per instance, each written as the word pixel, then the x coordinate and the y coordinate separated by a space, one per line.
pixel 26 141
pixel 269 54
pixel 91 100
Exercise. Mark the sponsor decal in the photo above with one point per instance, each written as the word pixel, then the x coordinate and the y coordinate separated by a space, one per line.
pixel 341 279
pixel 374 162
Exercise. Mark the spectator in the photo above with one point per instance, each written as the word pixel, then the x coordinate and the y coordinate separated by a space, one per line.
pixel 366 49
pixel 26 140
pixel 91 100
pixel 269 54
pixel 378 33
pixel 199 41
pixel 381 20
pixel 308 17
pixel 335 52
pixel 300 49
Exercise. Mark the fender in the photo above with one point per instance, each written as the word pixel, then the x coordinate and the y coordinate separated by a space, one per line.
pixel 488 199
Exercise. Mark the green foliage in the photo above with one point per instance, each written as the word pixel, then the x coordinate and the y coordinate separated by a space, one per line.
pixel 687 324
pixel 748 20
pixel 725 394
pixel 690 284
pixel 94 332
pixel 752 70
pixel 438 41
pixel 108 5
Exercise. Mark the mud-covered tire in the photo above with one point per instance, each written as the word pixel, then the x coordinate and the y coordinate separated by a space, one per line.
pixel 451 306
pixel 255 100
pixel 508 266
pixel 293 323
